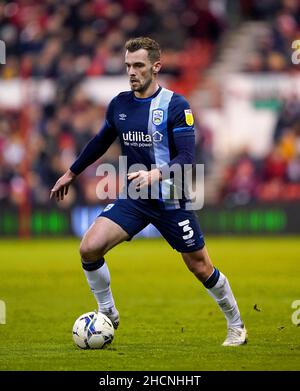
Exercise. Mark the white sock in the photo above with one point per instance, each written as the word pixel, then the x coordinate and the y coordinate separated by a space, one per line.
pixel 99 282
pixel 222 294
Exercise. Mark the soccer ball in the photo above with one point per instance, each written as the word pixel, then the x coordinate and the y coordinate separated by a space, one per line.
pixel 93 330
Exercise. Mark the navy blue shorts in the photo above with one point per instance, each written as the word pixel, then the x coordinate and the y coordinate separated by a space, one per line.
pixel 179 227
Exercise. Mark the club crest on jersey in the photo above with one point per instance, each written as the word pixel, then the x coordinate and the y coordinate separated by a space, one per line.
pixel 189 119
pixel 157 116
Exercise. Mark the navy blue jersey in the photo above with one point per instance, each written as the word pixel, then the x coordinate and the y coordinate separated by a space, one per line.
pixel 156 131
pixel 146 127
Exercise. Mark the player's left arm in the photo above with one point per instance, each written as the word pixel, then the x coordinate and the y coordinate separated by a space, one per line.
pixel 182 127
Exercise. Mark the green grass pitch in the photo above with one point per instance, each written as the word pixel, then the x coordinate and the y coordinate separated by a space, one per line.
pixel 168 321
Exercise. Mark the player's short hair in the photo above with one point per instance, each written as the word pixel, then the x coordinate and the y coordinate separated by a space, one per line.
pixel 152 47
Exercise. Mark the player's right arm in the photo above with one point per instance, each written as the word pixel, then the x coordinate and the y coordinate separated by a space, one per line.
pixel 92 151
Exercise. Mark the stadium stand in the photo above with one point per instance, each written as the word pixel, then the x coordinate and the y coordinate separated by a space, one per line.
pixel 60 46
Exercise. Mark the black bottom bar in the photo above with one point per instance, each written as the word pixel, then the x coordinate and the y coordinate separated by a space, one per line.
pixel 137 380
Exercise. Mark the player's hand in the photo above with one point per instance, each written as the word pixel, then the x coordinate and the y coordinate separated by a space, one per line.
pixel 143 178
pixel 61 187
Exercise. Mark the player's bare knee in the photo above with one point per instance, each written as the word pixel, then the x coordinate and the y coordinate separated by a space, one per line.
pixel 91 252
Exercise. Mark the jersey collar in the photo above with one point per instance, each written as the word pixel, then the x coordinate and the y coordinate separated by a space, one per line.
pixel 149 98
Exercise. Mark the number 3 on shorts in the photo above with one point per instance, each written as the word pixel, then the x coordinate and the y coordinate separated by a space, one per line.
pixel 186 228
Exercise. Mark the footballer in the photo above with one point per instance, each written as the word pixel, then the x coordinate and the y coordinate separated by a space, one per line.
pixel 155 128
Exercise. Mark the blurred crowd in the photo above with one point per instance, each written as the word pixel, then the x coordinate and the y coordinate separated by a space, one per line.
pixel 276 177
pixel 273 49
pixel 75 38
pixel 67 42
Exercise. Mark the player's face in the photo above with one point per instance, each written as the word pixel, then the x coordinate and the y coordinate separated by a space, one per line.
pixel 140 70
